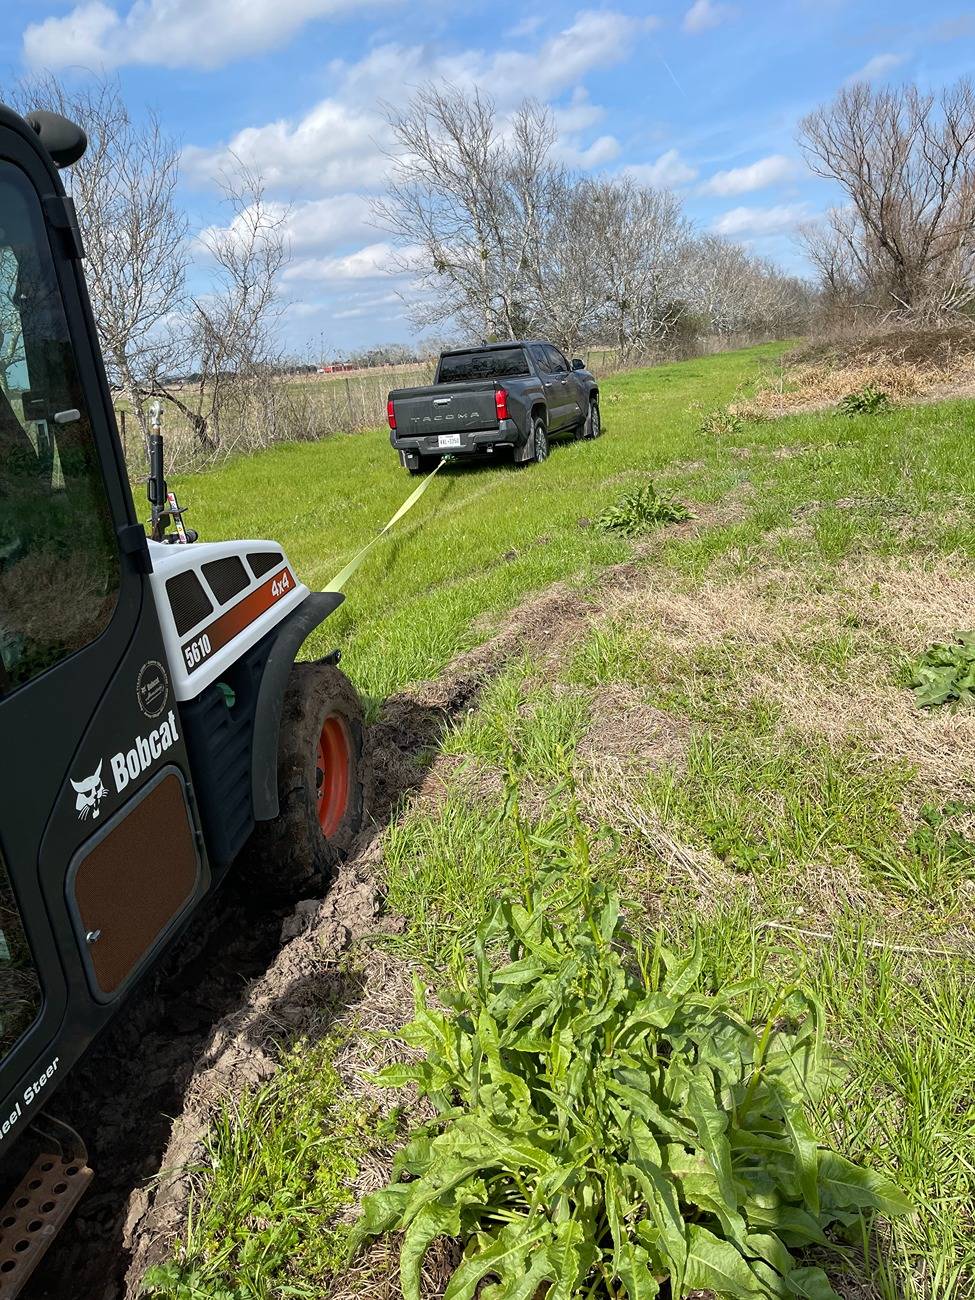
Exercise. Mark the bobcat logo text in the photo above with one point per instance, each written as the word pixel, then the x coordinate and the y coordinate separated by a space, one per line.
pixel 127 765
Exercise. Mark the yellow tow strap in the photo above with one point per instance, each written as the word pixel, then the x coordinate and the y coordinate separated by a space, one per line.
pixel 342 577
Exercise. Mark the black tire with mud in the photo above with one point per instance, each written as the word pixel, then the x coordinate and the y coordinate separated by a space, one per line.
pixel 539 443
pixel 292 848
pixel 591 426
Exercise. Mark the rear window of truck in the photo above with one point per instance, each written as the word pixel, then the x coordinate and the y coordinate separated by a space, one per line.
pixel 504 363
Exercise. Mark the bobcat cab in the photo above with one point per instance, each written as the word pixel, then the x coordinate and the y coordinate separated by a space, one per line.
pixel 151 712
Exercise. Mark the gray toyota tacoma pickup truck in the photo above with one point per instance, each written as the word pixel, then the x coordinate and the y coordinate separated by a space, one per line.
pixel 515 396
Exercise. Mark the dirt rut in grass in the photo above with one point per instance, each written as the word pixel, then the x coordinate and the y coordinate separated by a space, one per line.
pixel 253 971
pixel 306 989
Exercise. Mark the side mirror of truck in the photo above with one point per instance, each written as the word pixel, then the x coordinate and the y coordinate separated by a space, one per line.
pixel 578 363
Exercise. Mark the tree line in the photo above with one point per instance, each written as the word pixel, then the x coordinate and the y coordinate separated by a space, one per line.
pixel 504 241
pixel 500 239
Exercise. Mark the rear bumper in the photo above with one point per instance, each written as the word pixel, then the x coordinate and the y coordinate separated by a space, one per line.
pixel 471 442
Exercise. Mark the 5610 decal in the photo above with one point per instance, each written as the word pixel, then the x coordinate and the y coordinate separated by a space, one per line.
pixel 195 651
pixel 200 648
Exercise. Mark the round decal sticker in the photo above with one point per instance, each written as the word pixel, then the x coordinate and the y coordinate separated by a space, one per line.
pixel 152 688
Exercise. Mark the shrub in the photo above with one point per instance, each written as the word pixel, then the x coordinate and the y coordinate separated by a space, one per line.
pixel 640 509
pixel 865 401
pixel 603 1126
pixel 944 672
pixel 721 421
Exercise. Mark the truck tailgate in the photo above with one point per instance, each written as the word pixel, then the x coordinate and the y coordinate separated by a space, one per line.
pixel 445 408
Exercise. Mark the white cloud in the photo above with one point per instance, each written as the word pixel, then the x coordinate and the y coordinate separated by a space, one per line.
pixel 756 176
pixel 367 306
pixel 602 150
pixel 334 147
pixel 760 221
pixel 342 142
pixel 579 114
pixel 667 173
pixel 173 33
pixel 311 227
pixel 526 27
pixel 374 261
pixel 593 39
pixel 879 66
pixel 704 14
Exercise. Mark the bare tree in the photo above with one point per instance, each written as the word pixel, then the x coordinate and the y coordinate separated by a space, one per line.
pixel 469 202
pixel 231 329
pixel 637 252
pixel 11 327
pixel 905 242
pixel 135 235
pixel 571 295
pixel 733 293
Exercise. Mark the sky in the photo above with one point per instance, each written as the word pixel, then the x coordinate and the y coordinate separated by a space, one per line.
pixel 701 96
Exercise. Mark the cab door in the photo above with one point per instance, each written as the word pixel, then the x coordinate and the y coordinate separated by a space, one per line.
pixel 568 389
pixel 554 394
pixel 99 850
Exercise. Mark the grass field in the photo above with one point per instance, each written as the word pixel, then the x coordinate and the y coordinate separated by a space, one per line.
pixel 730 711
pixel 481 538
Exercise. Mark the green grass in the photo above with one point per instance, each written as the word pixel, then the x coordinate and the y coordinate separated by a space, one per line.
pixel 280 1161
pixel 794 850
pixel 411 606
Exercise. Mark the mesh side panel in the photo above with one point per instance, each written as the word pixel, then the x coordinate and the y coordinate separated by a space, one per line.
pixel 130 887
pixel 262 561
pixel 188 601
pixel 226 577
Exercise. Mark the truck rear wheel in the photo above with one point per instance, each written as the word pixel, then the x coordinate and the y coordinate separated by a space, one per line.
pixel 320 776
pixel 540 437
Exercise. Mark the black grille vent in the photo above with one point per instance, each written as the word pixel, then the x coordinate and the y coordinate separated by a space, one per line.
pixel 226 577
pixel 188 601
pixel 262 561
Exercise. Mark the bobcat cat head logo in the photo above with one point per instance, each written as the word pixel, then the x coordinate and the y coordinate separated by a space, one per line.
pixel 90 793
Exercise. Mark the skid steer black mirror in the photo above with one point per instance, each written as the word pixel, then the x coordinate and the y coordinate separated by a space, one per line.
pixel 64 140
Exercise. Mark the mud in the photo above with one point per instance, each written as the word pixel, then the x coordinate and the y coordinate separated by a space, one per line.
pixel 255 968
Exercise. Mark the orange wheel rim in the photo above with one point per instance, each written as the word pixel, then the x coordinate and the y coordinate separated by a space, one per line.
pixel 332 764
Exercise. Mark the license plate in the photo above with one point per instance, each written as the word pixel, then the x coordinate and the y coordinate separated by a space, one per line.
pixel 449 440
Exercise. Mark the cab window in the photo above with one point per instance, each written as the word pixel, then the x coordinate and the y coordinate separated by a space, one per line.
pixel 59 566
pixel 557 363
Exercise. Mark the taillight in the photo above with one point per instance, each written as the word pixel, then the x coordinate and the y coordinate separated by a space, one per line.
pixel 501 403
pixel 391 414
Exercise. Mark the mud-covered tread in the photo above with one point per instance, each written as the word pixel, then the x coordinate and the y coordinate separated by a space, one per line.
pixel 292 848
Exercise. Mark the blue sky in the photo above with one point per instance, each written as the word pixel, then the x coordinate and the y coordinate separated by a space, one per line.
pixel 702 96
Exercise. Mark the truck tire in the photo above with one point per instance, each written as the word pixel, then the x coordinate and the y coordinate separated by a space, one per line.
pixel 592 425
pixel 539 440
pixel 321 785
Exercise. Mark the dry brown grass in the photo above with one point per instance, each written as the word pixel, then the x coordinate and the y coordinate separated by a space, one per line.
pixel 776 623
pixel 904 365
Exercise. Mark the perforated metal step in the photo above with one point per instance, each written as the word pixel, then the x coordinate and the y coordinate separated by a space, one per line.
pixel 34 1214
